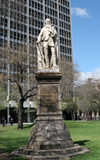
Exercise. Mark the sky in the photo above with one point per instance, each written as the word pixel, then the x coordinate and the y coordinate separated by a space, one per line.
pixel 85 17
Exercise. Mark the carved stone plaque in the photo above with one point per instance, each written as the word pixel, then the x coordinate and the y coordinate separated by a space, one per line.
pixel 48 98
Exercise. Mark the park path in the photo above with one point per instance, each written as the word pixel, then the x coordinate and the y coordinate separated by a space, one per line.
pixel 4 156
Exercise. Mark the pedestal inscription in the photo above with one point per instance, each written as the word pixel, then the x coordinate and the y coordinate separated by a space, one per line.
pixel 48 93
pixel 48 98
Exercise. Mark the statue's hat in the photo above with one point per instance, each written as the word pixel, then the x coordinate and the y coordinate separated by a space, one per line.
pixel 47 20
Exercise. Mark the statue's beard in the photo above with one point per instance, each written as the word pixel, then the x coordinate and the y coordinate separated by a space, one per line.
pixel 48 25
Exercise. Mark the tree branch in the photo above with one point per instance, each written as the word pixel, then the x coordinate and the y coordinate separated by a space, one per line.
pixel 31 95
pixel 29 91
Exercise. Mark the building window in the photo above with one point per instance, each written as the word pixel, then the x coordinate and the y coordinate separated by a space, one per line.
pixel 1 32
pixel 21 37
pixel 14 35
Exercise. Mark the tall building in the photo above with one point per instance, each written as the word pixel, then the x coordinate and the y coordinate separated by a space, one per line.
pixel 22 20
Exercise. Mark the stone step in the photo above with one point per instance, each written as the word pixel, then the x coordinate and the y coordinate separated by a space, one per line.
pixel 51 152
pixel 31 157
pixel 51 157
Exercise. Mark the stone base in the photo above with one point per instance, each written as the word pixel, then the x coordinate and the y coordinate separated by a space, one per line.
pixel 54 154
pixel 53 69
pixel 49 140
pixel 49 132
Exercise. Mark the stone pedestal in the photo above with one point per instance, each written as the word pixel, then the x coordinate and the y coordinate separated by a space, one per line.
pixel 49 137
pixel 49 131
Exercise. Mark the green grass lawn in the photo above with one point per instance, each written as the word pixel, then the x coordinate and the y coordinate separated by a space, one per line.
pixel 86 134
pixel 11 138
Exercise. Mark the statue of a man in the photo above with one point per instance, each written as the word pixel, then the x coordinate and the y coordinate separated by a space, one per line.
pixel 47 45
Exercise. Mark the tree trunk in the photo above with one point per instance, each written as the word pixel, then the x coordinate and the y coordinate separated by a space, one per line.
pixel 85 116
pixel 72 115
pixel 20 114
pixel 95 116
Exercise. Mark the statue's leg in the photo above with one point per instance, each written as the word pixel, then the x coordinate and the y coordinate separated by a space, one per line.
pixel 46 57
pixel 53 56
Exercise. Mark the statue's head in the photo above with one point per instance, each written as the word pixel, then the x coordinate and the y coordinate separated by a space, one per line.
pixel 47 21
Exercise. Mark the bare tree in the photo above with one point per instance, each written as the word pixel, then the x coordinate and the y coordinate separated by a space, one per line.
pixel 3 97
pixel 70 73
pixel 22 66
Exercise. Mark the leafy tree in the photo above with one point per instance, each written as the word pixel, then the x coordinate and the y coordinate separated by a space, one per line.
pixel 70 106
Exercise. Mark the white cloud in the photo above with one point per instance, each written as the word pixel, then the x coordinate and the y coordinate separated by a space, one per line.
pixel 80 12
pixel 96 73
pixel 84 76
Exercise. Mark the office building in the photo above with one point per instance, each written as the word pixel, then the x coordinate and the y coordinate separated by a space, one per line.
pixel 22 20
